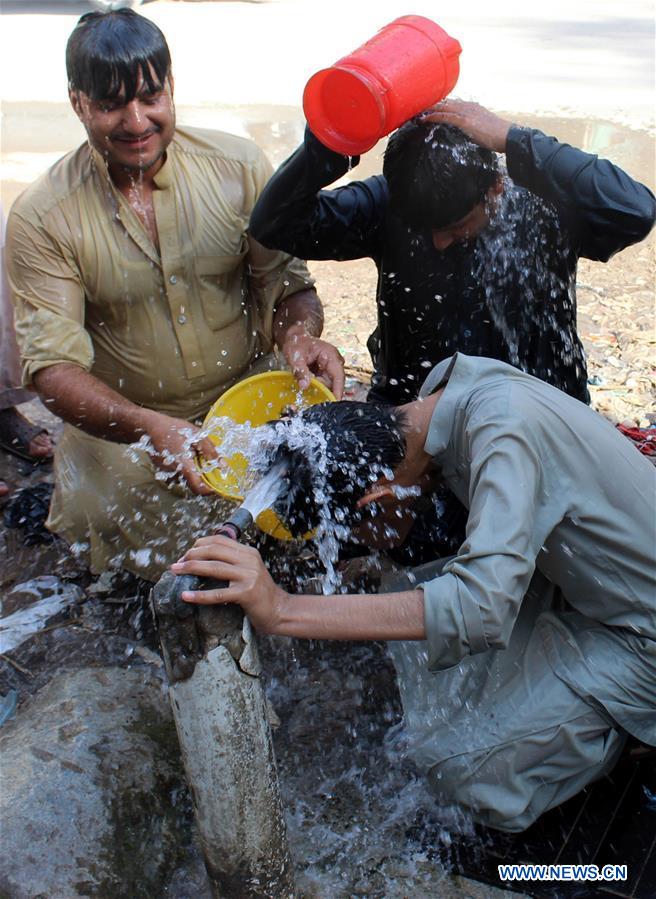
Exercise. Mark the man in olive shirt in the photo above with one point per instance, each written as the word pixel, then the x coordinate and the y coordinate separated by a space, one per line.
pixel 140 296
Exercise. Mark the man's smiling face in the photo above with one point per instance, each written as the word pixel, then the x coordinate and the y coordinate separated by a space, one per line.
pixel 131 135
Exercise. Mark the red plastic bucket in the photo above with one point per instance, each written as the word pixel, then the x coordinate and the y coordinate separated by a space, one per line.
pixel 406 67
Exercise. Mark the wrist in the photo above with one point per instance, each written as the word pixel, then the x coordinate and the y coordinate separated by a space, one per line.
pixel 145 421
pixel 294 332
pixel 128 422
pixel 280 613
pixel 501 135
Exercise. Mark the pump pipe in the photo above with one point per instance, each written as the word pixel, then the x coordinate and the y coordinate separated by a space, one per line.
pixel 225 739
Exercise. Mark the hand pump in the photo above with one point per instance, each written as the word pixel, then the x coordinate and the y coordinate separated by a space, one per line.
pixel 221 718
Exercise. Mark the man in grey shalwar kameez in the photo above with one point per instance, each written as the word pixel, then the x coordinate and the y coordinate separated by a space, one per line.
pixel 536 652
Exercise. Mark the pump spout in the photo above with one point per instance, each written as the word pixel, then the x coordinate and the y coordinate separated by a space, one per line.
pixel 239 521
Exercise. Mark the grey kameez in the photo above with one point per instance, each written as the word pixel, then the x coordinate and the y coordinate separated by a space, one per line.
pixel 541 631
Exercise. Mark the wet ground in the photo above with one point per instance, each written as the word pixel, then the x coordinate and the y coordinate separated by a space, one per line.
pixel 360 821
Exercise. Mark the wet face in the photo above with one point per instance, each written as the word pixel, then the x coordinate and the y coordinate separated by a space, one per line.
pixel 470 225
pixel 132 136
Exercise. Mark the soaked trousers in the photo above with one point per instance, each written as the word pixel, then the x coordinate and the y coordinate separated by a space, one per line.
pixel 501 734
pixel 116 511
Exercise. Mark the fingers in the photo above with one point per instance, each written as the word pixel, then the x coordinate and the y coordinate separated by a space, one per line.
pixel 211 597
pixel 219 571
pixel 374 495
pixel 335 371
pixel 221 559
pixel 301 372
pixel 310 357
pixel 324 361
pixel 445 110
pixel 482 126
pixel 194 481
pixel 222 549
pixel 207 448
pixel 41 446
pixel 297 360
pixel 206 541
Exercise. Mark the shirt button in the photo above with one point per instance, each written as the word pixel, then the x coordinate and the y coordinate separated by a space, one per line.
pixel 173 279
pixel 182 319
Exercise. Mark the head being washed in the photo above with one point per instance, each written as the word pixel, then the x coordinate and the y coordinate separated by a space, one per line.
pixel 354 445
pixel 440 180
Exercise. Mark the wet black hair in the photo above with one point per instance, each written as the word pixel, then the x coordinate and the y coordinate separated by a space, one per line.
pixel 107 51
pixel 363 441
pixel 436 174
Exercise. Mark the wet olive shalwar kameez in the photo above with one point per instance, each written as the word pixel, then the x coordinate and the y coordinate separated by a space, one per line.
pixel 169 328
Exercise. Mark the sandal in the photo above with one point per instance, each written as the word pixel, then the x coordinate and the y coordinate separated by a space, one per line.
pixel 16 434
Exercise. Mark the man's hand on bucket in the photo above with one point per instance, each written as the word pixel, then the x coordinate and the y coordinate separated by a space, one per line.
pixel 250 584
pixel 309 357
pixel 174 444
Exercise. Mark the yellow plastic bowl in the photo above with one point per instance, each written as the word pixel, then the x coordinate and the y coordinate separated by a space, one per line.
pixel 255 401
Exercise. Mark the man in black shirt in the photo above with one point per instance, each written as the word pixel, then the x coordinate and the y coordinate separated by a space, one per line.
pixel 468 259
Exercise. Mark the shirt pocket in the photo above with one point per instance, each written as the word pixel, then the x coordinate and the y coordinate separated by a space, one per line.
pixel 222 286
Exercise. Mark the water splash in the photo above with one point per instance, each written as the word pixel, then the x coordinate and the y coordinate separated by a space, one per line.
pixel 514 257
pixel 266 491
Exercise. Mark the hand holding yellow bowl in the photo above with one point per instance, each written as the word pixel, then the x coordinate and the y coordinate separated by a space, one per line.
pixel 255 401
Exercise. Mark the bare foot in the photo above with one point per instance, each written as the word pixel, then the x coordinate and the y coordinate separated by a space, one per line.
pixel 20 436
pixel 41 446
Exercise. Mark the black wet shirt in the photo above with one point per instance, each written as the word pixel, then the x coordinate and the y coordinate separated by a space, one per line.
pixel 508 294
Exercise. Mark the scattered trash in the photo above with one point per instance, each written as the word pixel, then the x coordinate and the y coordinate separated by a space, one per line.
pixel 14 664
pixel 644 439
pixel 148 656
pixel 28 510
pixel 19 626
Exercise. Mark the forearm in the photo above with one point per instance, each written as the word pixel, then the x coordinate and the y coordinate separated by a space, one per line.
pixel 359 616
pixel 81 399
pixel 289 200
pixel 603 207
pixel 302 309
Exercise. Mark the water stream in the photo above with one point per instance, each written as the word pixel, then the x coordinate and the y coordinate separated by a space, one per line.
pixel 266 491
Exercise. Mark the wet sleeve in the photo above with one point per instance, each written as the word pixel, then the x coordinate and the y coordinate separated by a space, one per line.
pixel 604 209
pixel 294 213
pixel 272 275
pixel 473 605
pixel 48 299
